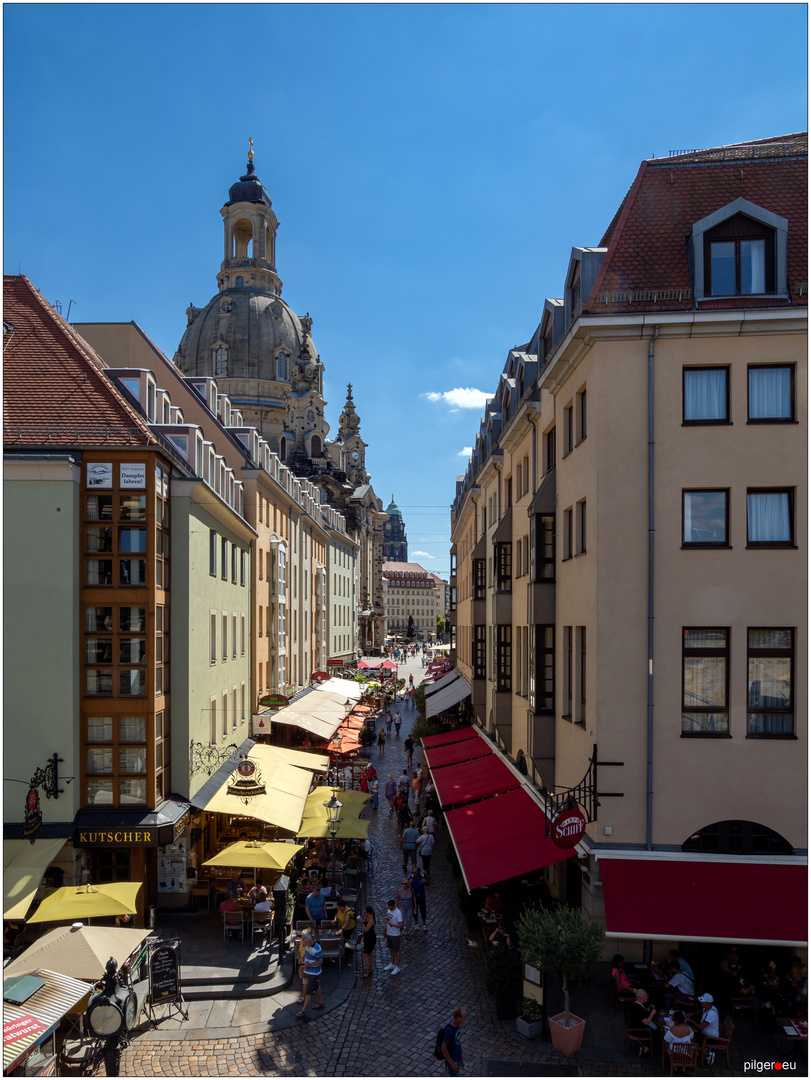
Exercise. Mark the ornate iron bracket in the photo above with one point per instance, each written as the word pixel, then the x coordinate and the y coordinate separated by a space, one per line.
pixel 48 778
pixel 207 759
pixel 584 794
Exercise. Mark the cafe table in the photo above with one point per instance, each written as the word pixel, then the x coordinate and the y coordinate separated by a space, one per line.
pixel 793 1029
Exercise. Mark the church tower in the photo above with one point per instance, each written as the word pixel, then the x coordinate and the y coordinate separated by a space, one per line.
pixel 246 337
pixel 395 541
pixel 353 448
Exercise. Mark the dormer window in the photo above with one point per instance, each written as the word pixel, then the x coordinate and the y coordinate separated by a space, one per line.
pixel 281 365
pixel 221 360
pixel 739 258
pixel 740 250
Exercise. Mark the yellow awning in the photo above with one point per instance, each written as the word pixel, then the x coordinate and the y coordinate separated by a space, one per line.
pixel 24 864
pixel 88 902
pixel 304 759
pixel 264 787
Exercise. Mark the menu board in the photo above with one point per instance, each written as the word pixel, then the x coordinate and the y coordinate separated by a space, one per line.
pixel 164 975
pixel 172 867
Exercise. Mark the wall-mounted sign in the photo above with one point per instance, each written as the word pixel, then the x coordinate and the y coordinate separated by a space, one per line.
pixel 33 814
pixel 246 782
pixel 100 474
pixel 125 837
pixel 320 676
pixel 21 1028
pixel 274 701
pixel 335 663
pixel 132 474
pixel 568 828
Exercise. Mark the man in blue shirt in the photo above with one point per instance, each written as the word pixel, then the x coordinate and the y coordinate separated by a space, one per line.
pixel 315 905
pixel 408 843
pixel 452 1043
pixel 312 969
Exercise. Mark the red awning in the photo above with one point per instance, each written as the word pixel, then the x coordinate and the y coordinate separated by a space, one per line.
pixel 696 900
pixel 449 737
pixel 502 838
pixel 457 753
pixel 473 780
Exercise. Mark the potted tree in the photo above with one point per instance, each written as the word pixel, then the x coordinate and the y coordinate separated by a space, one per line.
pixel 530 1022
pixel 568 944
pixel 503 981
pixel 366 736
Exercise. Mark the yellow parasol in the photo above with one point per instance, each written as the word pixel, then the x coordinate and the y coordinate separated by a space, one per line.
pixel 253 855
pixel 348 829
pixel 323 794
pixel 79 951
pixel 88 902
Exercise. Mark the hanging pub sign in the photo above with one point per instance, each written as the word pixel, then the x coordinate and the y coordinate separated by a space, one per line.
pixel 274 701
pixel 320 676
pixel 33 814
pixel 568 828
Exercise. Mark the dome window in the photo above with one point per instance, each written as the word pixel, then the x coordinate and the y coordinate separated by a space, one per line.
pixel 240 282
pixel 220 360
pixel 281 365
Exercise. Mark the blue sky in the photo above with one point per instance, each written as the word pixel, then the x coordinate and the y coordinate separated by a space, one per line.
pixel 432 166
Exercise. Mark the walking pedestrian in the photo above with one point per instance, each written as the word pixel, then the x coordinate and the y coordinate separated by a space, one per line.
pixel 369 941
pixel 376 793
pixel 394 932
pixel 405 902
pixel 312 969
pixel 389 721
pixel 397 723
pixel 408 746
pixel 403 813
pixel 452 1043
pixel 408 843
pixel 425 849
pixel 390 791
pixel 381 742
pixel 418 888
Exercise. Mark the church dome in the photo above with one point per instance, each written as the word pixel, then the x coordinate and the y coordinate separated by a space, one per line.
pixel 249 188
pixel 393 510
pixel 241 334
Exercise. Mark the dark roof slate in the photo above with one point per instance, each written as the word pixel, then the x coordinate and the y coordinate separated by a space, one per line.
pixel 647 239
pixel 54 389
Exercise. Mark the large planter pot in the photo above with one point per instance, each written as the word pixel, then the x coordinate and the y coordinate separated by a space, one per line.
pixel 530 1029
pixel 506 1010
pixel 566 1040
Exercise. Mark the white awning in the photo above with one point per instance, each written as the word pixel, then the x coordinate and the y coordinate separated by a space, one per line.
pixel 442 681
pixel 24 864
pixel 448 696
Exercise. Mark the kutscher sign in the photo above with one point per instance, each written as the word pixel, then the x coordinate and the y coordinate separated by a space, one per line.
pixel 569 828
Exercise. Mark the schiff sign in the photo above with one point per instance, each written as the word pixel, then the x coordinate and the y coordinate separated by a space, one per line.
pixel 569 828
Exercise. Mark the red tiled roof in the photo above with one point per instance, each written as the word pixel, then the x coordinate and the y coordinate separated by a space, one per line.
pixel 647 240
pixel 54 392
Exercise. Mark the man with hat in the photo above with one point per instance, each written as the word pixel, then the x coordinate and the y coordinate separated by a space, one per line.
pixel 708 1025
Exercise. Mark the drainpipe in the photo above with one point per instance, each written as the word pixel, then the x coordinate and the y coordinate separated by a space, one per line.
pixel 649 804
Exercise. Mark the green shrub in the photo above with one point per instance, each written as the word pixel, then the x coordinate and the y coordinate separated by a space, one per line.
pixel 503 979
pixel 565 942
pixel 531 1010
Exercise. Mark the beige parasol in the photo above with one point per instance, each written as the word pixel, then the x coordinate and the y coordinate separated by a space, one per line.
pixel 79 951
pixel 348 829
pixel 253 855
pixel 88 902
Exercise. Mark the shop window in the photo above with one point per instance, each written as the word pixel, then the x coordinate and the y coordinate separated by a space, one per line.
pixel 737 838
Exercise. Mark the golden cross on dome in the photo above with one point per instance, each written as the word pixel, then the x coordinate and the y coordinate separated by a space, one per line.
pixel 250 152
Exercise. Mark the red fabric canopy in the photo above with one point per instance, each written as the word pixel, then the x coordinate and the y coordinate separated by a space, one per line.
pixel 502 838
pixel 445 737
pixel 473 780
pixel 465 750
pixel 691 900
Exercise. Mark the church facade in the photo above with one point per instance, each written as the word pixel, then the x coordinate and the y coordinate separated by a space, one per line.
pixel 263 357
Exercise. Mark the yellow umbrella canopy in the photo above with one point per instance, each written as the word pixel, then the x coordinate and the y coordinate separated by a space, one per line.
pixel 317 812
pixel 348 829
pixel 256 856
pixel 323 794
pixel 88 902
pixel 79 951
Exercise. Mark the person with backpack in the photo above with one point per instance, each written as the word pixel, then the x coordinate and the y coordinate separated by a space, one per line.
pixel 448 1047
pixel 425 849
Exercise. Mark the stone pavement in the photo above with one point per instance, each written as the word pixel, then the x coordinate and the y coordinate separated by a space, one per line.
pixel 383 1026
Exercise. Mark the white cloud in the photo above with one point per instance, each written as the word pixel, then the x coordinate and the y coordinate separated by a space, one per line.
pixel 461 397
pixel 466 451
pixel 423 554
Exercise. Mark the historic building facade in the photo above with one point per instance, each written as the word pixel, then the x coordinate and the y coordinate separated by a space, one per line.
pixel 630 549
pixel 264 359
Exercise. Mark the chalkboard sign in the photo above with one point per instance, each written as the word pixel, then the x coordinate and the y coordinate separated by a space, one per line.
pixel 164 975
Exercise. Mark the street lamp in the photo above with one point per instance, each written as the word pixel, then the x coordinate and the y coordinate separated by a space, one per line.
pixel 333 808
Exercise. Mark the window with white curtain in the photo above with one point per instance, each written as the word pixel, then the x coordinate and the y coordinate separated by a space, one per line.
pixel 771 392
pixel 706 399
pixel 769 517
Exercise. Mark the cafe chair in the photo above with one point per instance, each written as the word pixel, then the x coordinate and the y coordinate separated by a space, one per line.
pixel 747 1003
pixel 201 887
pixel 304 924
pixel 637 1037
pixel 233 922
pixel 260 923
pixel 622 994
pixel 332 949
pixel 718 1044
pixel 682 1056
